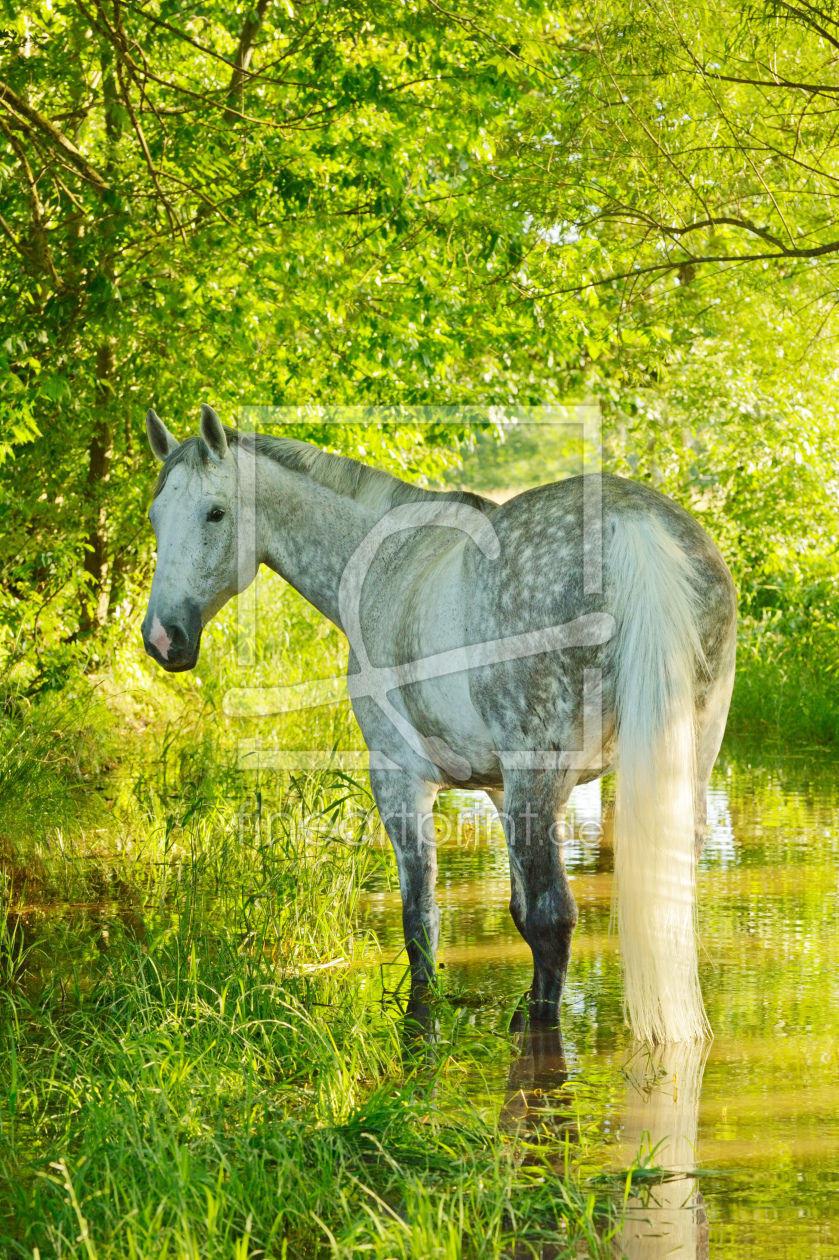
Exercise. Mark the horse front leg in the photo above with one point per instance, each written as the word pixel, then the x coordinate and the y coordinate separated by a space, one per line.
pixel 542 904
pixel 405 804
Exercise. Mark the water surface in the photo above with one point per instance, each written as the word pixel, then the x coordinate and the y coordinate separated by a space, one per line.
pixel 757 1111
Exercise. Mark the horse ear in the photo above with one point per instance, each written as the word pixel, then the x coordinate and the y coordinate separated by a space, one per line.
pixel 161 440
pixel 212 431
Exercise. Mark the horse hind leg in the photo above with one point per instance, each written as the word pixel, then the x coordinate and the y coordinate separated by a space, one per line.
pixel 710 728
pixel 542 904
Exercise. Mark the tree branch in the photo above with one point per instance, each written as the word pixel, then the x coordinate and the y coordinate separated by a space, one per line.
pixel 16 106
pixel 37 209
pixel 667 229
pixel 247 44
pixel 773 83
pixel 817 251
pixel 138 131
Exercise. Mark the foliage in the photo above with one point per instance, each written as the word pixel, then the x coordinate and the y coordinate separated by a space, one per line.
pixel 298 227
pixel 344 204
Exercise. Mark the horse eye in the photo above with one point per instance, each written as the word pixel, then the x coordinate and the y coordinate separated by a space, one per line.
pixel 215 514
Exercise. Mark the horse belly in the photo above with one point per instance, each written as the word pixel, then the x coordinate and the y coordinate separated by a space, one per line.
pixel 413 612
pixel 443 707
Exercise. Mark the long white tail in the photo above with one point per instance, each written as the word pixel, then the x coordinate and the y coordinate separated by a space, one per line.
pixel 658 651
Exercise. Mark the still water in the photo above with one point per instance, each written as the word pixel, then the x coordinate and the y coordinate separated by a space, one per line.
pixel 754 1115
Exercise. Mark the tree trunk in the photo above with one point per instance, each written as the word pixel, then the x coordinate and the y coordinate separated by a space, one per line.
pixel 95 590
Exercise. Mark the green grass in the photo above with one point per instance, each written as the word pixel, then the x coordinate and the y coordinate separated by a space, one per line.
pixel 787 684
pixel 199 1057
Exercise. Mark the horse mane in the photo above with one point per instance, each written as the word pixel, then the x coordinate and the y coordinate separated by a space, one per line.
pixel 374 489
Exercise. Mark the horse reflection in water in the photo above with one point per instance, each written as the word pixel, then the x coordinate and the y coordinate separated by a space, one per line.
pixel 663 1084
pixel 662 1118
pixel 533 1096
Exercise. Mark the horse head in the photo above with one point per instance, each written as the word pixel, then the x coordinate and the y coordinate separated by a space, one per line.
pixel 194 517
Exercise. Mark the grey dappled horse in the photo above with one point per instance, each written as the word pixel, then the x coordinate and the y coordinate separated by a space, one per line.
pixel 581 627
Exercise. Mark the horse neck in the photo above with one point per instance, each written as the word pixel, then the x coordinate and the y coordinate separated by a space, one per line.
pixel 306 532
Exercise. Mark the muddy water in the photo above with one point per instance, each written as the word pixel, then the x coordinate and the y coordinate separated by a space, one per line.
pixel 755 1115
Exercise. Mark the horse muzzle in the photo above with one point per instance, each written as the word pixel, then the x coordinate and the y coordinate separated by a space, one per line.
pixel 174 642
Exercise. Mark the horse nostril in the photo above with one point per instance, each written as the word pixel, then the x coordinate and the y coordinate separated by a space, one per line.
pixel 178 637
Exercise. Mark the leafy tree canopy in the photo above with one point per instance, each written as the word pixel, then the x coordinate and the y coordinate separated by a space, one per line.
pixel 371 202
